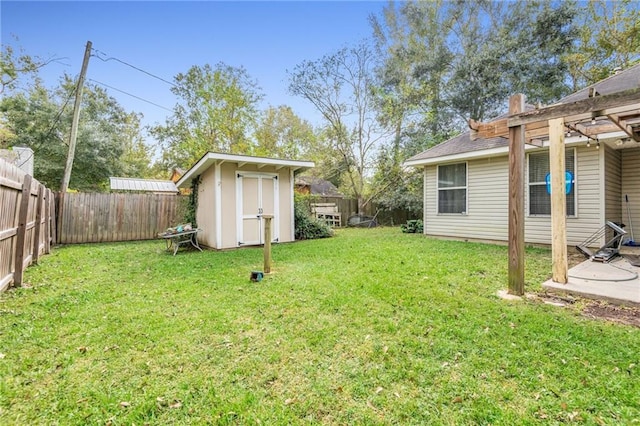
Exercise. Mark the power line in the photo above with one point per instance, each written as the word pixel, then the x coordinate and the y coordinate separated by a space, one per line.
pixel 129 94
pixel 111 58
pixel 55 120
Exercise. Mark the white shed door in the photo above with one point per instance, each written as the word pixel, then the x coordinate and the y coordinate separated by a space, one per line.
pixel 257 195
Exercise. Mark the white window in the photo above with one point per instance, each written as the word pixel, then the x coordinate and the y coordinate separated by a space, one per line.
pixel 539 197
pixel 452 188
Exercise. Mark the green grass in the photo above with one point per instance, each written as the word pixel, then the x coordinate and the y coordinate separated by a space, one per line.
pixel 370 327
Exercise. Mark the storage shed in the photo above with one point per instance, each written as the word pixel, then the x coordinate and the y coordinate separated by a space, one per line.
pixel 235 191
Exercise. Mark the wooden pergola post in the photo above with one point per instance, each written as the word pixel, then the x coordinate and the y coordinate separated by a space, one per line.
pixel 558 200
pixel 516 199
pixel 621 108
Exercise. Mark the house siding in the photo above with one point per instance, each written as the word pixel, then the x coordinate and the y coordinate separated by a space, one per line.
pixel 613 185
pixel 589 203
pixel 631 188
pixel 488 200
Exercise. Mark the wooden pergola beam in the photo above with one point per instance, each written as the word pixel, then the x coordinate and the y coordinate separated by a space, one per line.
pixel 555 118
pixel 598 106
pixel 622 125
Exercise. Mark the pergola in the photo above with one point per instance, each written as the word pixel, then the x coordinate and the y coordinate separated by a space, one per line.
pixel 615 112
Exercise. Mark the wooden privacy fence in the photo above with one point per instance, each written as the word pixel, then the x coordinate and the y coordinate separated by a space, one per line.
pixel 27 223
pixel 95 217
pixel 349 206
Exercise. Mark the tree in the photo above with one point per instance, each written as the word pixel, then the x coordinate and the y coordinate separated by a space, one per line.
pixel 535 37
pixel 136 155
pixel 217 112
pixel 41 119
pixel 608 38
pixel 281 133
pixel 339 86
pixel 15 65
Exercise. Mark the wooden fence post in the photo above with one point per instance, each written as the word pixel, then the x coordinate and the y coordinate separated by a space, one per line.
pixel 59 217
pixel 38 225
pixel 22 231
pixel 47 220
pixel 267 243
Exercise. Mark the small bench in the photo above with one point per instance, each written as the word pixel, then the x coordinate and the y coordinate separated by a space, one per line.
pixel 328 213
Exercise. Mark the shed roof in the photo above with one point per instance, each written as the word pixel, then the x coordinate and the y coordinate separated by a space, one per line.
pixel 210 158
pixel 144 185
pixel 462 146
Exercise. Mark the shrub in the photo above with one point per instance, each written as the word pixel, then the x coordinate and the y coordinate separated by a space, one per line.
pixel 413 227
pixel 308 228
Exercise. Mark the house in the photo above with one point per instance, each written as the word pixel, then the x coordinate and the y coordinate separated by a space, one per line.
pixel 312 185
pixel 235 191
pixel 153 186
pixel 466 181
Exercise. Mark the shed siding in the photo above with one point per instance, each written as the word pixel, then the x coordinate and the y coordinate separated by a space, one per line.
pixel 631 188
pixel 205 214
pixel 228 208
pixel 228 199
pixel 488 200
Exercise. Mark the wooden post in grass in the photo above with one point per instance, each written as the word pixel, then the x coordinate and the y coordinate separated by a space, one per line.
pixel 516 200
pixel 267 243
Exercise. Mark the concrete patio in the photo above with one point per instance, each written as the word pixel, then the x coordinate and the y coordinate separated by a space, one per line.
pixel 616 282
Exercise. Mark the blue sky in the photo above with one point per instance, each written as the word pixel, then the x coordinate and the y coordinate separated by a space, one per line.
pixel 165 38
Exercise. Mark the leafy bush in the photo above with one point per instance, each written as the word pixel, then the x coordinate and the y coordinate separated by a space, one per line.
pixel 413 227
pixel 308 228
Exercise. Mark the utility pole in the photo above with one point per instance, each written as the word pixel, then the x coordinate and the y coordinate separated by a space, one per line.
pixel 76 118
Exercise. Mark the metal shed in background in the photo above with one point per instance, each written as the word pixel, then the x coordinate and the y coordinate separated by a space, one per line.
pixel 153 186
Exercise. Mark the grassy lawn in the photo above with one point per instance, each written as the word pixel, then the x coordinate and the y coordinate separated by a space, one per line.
pixel 370 327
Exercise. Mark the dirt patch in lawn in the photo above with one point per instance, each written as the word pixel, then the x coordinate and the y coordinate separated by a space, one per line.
pixel 594 309
pixel 605 311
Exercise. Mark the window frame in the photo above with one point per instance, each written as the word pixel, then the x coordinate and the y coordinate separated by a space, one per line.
pixel 574 188
pixel 465 187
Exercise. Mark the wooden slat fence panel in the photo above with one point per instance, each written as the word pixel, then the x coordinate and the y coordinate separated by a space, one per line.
pixel 349 206
pixel 95 217
pixel 25 226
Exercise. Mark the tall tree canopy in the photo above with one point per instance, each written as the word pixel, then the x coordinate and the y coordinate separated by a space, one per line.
pixel 608 38
pixel 109 141
pixel 281 133
pixel 217 111
pixel 339 85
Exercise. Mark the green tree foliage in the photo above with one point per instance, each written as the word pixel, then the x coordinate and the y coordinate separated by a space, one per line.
pixel 339 86
pixel 282 134
pixel 447 62
pixel 136 155
pixel 536 35
pixel 444 62
pixel 608 38
pixel 217 111
pixel 15 65
pixel 108 144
